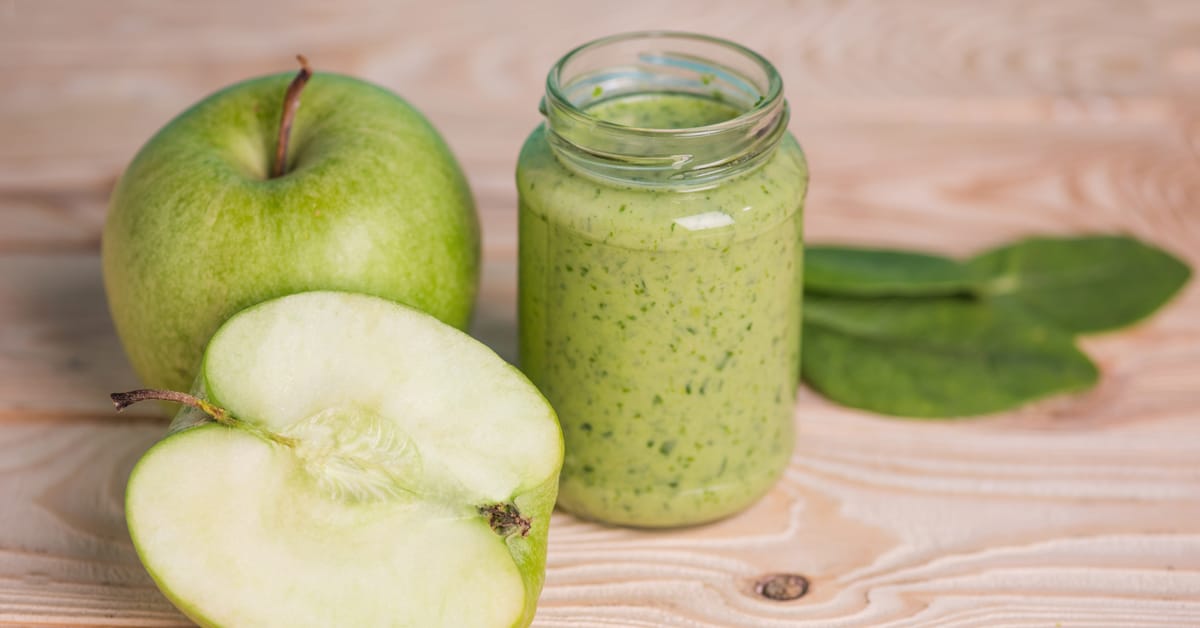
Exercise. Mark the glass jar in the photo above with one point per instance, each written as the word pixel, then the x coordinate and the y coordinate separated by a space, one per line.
pixel 660 275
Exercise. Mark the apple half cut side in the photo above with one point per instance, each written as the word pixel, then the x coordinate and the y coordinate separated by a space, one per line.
pixel 372 467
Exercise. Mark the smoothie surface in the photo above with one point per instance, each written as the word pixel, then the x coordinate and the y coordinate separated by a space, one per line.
pixel 663 111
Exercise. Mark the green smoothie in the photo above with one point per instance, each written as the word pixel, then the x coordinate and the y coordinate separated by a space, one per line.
pixel 663 325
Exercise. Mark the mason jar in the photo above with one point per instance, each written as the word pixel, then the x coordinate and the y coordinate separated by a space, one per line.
pixel 660 282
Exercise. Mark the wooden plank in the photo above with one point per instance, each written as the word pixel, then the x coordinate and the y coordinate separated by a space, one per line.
pixel 81 94
pixel 892 521
pixel 59 357
pixel 952 176
pixel 942 187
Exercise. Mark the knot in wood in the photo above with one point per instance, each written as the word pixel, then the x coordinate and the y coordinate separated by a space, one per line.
pixel 782 586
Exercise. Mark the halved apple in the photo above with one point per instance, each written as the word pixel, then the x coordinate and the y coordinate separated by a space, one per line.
pixel 348 461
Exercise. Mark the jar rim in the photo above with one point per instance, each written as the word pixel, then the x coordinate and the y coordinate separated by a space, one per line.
pixel 765 105
pixel 647 62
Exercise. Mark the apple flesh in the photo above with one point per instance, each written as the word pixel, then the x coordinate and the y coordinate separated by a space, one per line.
pixel 373 467
pixel 372 201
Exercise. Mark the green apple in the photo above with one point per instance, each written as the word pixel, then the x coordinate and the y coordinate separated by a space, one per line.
pixel 371 201
pixel 348 461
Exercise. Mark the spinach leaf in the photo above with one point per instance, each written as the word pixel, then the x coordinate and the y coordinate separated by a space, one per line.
pixel 1083 285
pixel 936 357
pixel 866 272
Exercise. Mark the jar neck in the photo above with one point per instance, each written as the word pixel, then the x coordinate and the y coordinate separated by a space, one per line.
pixel 647 64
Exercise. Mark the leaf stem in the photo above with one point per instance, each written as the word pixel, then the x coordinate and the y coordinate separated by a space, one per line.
pixel 291 102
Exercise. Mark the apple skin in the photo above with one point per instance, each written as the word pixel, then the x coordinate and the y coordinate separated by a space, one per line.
pixel 373 202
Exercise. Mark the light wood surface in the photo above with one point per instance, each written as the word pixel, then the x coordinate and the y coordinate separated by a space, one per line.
pixel 947 126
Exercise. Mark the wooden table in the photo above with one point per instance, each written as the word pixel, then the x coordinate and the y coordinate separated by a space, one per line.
pixel 948 126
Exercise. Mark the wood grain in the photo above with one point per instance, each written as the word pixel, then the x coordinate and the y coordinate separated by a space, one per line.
pixel 941 125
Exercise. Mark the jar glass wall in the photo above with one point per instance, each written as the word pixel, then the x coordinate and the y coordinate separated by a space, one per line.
pixel 660 276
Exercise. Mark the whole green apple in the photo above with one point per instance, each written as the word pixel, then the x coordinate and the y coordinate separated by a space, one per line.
pixel 348 461
pixel 370 200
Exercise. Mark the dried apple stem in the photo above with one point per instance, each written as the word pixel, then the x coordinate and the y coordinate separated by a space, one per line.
pixel 123 400
pixel 291 102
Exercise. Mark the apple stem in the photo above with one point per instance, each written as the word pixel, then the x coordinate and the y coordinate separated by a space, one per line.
pixel 291 102
pixel 122 400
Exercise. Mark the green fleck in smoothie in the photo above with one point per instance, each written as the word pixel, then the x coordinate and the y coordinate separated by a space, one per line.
pixel 663 324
